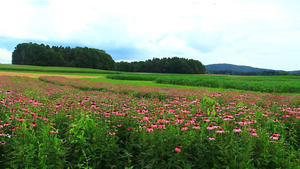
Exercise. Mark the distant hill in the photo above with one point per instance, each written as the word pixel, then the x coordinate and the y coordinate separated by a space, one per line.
pixel 231 67
pixel 243 70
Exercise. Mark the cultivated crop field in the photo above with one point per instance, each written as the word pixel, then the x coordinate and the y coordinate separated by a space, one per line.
pixel 269 84
pixel 59 122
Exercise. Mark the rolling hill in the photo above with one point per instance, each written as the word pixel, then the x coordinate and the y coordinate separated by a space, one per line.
pixel 238 68
pixel 241 69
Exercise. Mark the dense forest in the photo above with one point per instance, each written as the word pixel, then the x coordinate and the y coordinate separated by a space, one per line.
pixel 44 55
pixel 164 65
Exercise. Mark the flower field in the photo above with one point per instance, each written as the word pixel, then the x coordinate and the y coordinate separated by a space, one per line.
pixel 57 122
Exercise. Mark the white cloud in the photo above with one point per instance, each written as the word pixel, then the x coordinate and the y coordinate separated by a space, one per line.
pixel 207 30
pixel 5 56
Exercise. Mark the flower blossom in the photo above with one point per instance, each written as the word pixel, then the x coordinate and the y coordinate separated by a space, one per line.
pixel 211 138
pixel 150 129
pixel 196 126
pixel 220 130
pixel 178 149
pixel 237 130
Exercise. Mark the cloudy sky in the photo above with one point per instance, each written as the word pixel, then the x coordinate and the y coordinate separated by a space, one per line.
pixel 258 33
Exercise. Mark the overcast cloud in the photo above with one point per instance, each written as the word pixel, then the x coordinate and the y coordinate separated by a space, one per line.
pixel 259 33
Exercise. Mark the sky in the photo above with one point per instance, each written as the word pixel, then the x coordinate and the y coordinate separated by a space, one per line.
pixel 258 33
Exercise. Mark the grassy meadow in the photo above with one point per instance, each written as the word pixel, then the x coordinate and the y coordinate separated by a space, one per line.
pixel 135 120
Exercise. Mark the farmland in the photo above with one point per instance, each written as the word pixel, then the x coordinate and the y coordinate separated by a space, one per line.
pixel 59 122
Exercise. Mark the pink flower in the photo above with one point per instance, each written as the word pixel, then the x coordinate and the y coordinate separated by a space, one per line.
pixel 154 125
pixel 210 127
pixel 69 115
pixel 253 133
pixel 146 117
pixel 112 133
pixel 179 120
pixel 191 121
pixel 54 131
pixel 196 126
pixel 150 129
pixel 6 124
pixel 211 138
pixel 161 120
pixel 161 126
pixel 251 129
pixel 33 123
pixel 2 142
pixel 275 136
pixel 220 130
pixel 206 119
pixel 178 149
pixel 130 128
pixel 20 119
pixel 237 130
pixel 184 127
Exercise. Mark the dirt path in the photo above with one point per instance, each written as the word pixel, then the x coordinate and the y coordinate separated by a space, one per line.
pixel 37 75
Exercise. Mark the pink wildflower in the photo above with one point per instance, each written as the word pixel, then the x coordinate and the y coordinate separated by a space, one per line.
pixel 33 123
pixel 150 129
pixel 220 130
pixel 275 136
pixel 253 133
pixel 130 128
pixel 211 138
pixel 180 120
pixel 196 126
pixel 184 127
pixel 54 131
pixel 210 127
pixel 69 115
pixel 6 124
pixel 112 133
pixel 206 119
pixel 178 149
pixel 154 125
pixel 237 130
pixel 161 126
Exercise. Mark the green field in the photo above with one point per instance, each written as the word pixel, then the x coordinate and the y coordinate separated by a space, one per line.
pixel 264 84
pixel 45 69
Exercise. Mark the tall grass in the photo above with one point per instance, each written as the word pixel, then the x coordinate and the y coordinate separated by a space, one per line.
pixel 6 67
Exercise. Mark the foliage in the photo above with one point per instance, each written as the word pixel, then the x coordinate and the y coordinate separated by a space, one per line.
pixel 44 55
pixel 164 65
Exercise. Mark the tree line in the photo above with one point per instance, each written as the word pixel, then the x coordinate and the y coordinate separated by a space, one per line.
pixel 164 65
pixel 44 55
